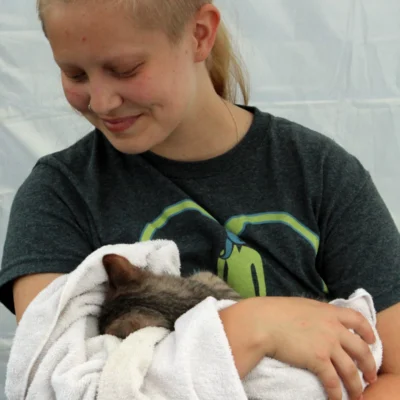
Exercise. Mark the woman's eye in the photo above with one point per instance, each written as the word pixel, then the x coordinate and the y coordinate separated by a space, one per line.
pixel 127 74
pixel 76 77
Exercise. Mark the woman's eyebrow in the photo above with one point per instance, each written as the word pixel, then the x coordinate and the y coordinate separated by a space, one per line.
pixel 107 62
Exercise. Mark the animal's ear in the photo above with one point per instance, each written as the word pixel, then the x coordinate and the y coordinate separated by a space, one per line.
pixel 120 271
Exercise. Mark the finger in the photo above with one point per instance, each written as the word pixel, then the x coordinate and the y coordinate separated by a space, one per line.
pixel 326 373
pixel 359 351
pixel 352 319
pixel 347 370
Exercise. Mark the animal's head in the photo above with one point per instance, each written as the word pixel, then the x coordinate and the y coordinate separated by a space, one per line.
pixel 123 276
pixel 129 304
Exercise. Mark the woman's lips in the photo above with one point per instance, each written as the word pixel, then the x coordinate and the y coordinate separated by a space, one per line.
pixel 120 124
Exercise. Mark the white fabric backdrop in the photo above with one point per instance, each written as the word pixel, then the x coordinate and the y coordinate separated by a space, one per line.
pixel 332 65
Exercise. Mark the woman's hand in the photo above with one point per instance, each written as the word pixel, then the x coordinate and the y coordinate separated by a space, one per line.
pixel 306 334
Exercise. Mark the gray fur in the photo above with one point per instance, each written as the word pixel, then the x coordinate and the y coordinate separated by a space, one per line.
pixel 137 298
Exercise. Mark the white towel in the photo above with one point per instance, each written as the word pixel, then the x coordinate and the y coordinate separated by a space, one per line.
pixel 281 381
pixel 58 354
pixel 194 363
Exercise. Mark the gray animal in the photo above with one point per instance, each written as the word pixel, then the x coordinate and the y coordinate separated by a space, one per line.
pixel 137 298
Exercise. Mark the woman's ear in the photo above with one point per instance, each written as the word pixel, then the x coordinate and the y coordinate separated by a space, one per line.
pixel 206 24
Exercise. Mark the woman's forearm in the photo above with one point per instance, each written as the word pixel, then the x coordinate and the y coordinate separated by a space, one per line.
pixel 386 387
pixel 248 345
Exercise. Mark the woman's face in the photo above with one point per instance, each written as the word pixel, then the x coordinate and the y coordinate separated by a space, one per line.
pixel 139 85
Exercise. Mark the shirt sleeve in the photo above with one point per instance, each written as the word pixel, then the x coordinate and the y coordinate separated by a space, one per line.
pixel 360 243
pixel 47 231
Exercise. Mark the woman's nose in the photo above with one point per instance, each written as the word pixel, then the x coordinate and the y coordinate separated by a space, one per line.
pixel 103 98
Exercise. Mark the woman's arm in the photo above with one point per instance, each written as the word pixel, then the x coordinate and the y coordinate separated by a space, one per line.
pixel 48 235
pixel 25 289
pixel 388 385
pixel 360 248
pixel 303 333
pixel 248 345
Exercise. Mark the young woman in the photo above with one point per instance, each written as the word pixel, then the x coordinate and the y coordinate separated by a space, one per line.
pixel 273 207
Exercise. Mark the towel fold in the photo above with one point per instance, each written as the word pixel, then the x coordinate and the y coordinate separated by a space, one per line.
pixel 58 353
pixel 281 381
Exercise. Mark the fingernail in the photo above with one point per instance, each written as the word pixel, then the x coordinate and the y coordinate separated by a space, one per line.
pixel 372 378
pixel 361 398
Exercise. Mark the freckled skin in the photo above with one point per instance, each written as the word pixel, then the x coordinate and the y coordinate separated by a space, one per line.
pixel 162 89
pixel 124 70
pixel 74 96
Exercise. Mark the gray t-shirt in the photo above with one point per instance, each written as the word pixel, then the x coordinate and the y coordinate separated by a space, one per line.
pixel 287 212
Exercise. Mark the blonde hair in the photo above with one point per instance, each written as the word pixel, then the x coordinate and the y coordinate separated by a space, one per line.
pixel 225 67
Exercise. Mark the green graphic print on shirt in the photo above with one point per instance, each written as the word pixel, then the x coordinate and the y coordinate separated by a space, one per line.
pixel 239 265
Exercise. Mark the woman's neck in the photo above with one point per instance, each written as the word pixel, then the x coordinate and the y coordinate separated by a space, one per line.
pixel 213 127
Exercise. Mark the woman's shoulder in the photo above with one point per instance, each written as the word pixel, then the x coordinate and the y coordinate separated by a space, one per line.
pixel 299 156
pixel 89 162
pixel 297 136
pixel 77 156
pixel 287 135
pixel 297 144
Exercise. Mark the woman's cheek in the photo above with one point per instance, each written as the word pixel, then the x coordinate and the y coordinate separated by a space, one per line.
pixel 76 96
pixel 140 90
